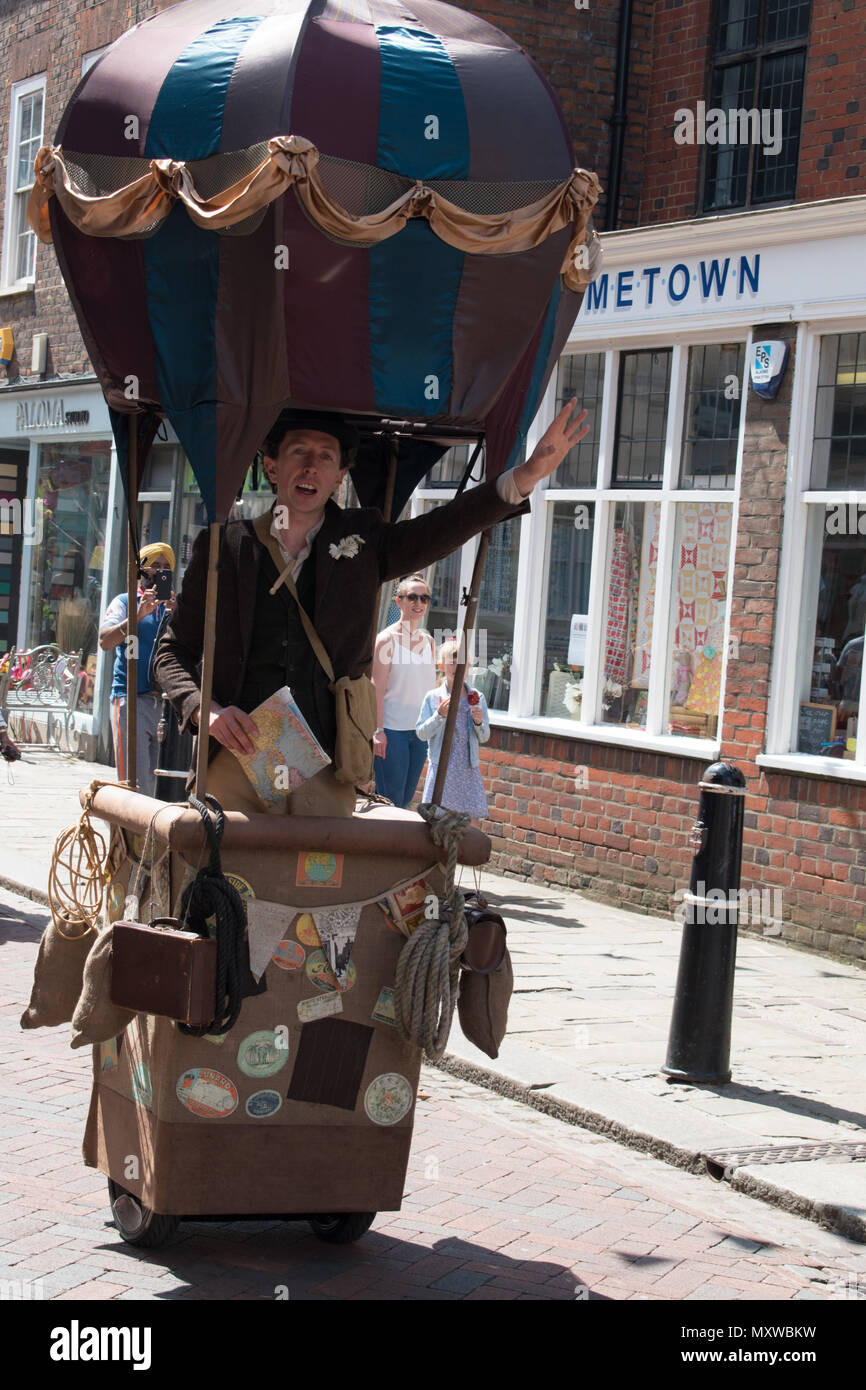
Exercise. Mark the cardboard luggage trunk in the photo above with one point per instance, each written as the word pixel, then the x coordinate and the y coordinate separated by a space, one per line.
pixel 307 1104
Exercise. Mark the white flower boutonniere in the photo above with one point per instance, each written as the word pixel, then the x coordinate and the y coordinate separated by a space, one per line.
pixel 347 548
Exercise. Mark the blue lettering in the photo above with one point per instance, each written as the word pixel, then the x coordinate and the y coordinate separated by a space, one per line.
pixel 750 273
pixel 623 288
pixel 652 271
pixel 596 293
pixel 685 272
pixel 713 276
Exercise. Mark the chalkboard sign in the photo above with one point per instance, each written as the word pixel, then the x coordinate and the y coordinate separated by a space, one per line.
pixel 817 725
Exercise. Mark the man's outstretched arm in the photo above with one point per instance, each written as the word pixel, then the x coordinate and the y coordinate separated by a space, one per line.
pixel 409 545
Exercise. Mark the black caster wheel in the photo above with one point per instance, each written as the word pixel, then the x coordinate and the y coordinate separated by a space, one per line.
pixel 343 1228
pixel 137 1223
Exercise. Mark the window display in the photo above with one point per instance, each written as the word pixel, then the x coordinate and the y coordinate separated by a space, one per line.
pixel 67 569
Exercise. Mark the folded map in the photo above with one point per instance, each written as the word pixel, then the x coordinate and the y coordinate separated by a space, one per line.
pixel 286 752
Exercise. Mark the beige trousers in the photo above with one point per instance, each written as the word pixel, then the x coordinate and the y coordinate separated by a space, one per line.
pixel 322 795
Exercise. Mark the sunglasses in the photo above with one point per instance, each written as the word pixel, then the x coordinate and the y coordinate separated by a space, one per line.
pixel 416 598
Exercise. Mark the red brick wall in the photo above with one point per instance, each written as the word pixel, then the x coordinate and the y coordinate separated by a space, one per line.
pixel 832 162
pixel 624 838
pixel 576 50
pixel 51 36
pixel 679 79
pixel 833 146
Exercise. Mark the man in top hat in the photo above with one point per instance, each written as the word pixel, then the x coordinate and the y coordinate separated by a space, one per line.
pixel 152 613
pixel 338 559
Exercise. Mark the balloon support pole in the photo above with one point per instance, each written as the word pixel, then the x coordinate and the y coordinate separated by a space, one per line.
pixel 132 611
pixel 207 662
pixel 460 673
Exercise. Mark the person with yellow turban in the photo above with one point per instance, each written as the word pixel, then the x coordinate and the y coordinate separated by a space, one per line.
pixel 153 612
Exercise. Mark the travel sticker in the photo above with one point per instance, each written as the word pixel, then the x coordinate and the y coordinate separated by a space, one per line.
pixel 207 1093
pixel 388 1098
pixel 319 869
pixel 289 955
pixel 142 1087
pixel 263 1103
pixel 320 974
pixel 243 887
pixel 320 1006
pixel 108 1055
pixel 307 931
pixel 260 1055
pixel 384 1011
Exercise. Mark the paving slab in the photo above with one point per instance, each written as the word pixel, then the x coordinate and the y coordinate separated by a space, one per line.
pixel 589 1023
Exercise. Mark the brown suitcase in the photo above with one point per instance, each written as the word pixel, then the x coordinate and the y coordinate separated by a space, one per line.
pixel 159 969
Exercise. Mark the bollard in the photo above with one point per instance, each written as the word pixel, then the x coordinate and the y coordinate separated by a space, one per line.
pixel 699 1042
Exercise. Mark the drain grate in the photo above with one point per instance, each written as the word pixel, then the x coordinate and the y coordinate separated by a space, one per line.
pixel 784 1153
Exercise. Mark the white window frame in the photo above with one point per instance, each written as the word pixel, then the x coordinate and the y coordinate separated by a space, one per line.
pixel 784 700
pixel 90 58
pixel 19 91
pixel 530 615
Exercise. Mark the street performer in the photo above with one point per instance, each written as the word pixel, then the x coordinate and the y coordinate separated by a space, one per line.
pixel 338 558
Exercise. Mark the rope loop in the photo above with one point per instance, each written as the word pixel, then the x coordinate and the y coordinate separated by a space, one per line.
pixel 210 895
pixel 428 969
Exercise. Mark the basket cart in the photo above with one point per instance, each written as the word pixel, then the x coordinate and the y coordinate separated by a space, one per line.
pixel 305 1108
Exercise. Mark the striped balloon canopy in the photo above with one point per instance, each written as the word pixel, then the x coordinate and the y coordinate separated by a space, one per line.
pixel 365 206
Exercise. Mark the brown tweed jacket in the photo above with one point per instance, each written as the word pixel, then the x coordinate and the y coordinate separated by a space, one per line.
pixel 346 591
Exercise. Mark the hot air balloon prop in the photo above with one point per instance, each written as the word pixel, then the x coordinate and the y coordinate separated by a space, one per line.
pixel 345 205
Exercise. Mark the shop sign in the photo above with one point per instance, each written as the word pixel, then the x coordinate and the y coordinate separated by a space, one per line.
pixel 47 413
pixel 714 280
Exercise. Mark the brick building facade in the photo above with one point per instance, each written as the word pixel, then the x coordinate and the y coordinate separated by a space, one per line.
pixel 715 249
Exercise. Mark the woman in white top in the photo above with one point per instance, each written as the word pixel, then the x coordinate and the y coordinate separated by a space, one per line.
pixel 404 668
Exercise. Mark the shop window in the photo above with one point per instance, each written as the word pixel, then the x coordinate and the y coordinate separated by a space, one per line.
pixel 712 420
pixel 566 622
pixel 702 547
pixel 580 375
pixel 448 472
pixel 25 139
pixel 630 608
pixel 833 609
pixel 759 63
pixel 495 626
pixel 641 418
pixel 443 577
pixel 839 448
pixel 68 564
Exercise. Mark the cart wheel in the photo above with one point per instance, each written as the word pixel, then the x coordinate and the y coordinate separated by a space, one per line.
pixel 343 1228
pixel 137 1223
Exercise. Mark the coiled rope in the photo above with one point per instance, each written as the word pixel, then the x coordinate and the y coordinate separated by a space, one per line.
pixel 211 895
pixel 426 987
pixel 77 876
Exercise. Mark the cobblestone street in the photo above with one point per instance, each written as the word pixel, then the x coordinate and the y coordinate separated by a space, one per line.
pixel 502 1203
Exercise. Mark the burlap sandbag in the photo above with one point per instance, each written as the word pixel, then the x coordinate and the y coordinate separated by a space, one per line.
pixel 482 1006
pixel 96 1019
pixel 57 978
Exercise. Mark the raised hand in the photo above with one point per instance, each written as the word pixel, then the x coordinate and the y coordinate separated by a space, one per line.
pixel 567 430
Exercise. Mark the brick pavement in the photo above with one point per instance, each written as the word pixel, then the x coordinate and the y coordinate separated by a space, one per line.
pixel 502 1204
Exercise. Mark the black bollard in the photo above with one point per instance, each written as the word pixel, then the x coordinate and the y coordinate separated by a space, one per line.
pixel 699 1043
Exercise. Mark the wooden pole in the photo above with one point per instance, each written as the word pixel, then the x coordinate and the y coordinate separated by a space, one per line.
pixel 207 662
pixel 392 477
pixel 132 609
pixel 460 673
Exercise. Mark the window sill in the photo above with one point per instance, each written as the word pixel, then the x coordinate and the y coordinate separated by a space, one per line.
pixel 23 287
pixel 675 745
pixel 809 765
